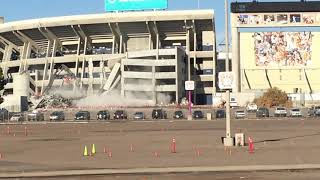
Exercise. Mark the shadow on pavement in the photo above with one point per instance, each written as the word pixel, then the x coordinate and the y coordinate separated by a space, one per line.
pixel 286 138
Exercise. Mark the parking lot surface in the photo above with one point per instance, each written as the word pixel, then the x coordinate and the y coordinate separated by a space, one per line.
pixel 146 144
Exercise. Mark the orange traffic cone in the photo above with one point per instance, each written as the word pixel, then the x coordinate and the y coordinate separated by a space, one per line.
pixel 110 154
pixel 173 145
pixel 131 148
pixel 25 131
pixel 251 146
pixel 156 154
pixel 198 152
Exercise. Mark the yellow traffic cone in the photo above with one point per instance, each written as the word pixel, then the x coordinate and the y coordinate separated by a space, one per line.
pixel 93 150
pixel 85 152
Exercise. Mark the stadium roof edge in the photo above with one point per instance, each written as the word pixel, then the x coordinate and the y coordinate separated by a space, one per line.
pixel 108 18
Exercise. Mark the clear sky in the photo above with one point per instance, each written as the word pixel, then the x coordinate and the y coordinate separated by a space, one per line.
pixel 26 9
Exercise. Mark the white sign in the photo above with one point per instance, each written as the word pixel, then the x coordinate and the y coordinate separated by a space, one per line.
pixel 226 80
pixel 189 85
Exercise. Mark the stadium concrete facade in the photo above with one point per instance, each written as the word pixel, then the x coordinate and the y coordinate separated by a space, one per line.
pixel 142 53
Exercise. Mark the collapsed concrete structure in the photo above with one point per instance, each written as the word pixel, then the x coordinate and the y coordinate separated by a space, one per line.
pixel 140 53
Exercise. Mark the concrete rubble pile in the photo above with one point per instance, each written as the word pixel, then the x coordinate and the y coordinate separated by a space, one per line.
pixel 55 101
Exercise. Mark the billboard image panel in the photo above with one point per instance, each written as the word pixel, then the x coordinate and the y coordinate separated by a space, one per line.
pixel 274 49
pixel 130 5
pixel 277 20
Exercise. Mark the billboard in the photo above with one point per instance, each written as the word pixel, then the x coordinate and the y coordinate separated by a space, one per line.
pixel 274 49
pixel 132 5
pixel 277 19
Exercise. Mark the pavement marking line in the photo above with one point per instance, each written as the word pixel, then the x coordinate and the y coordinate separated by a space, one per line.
pixel 159 170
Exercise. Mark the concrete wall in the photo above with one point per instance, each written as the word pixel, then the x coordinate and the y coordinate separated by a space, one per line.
pixel 207 37
pixel 138 44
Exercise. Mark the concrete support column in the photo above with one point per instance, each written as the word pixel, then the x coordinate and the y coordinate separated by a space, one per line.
pixel 150 42
pixel 22 57
pixel 90 70
pixel 54 50
pixel 122 80
pixel 79 45
pixel 113 44
pixel 78 52
pixel 36 79
pixel 76 68
pixel 102 74
pixel 154 92
pixel 7 53
pixel 154 84
pixel 157 46
pixel 45 69
pixel 214 90
pixel 83 70
pixel 236 58
pixel 121 44
pixel 28 50
pixel 6 58
pixel 27 56
pixel 49 46
pixel 44 75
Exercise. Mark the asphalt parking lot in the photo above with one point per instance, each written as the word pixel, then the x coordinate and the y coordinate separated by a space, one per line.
pixel 59 146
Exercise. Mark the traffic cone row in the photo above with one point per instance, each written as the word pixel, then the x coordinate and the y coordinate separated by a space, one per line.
pixel 92 153
pixel 8 131
pixel 107 151
pixel 156 153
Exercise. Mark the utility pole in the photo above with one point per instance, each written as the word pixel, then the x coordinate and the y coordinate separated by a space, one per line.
pixel 228 141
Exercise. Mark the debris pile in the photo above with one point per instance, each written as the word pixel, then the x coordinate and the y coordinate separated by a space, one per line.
pixel 53 101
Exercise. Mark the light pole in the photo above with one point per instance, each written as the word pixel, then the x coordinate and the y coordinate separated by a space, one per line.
pixel 188 28
pixel 228 141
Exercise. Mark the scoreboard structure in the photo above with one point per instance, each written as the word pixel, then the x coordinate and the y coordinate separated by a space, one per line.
pixel 276 44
